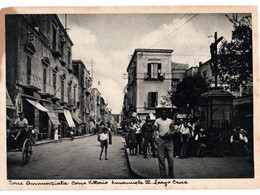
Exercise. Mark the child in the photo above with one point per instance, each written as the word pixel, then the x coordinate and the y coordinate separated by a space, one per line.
pixel 56 133
pixel 103 138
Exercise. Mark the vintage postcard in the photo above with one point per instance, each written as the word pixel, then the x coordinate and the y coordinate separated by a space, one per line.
pixel 129 98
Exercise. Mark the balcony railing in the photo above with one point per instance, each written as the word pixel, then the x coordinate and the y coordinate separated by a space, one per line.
pixel 153 77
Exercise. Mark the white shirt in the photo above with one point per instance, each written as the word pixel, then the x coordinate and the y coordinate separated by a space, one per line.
pixel 185 130
pixel 21 123
pixel 103 136
pixel 163 125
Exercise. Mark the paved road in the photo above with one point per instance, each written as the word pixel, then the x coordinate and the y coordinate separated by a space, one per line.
pixel 78 159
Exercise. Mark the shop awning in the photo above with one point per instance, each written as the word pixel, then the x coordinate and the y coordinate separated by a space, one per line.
pixel 77 119
pixel 38 105
pixel 9 103
pixel 69 118
pixel 53 117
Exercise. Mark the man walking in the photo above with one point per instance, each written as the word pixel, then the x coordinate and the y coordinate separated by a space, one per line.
pixel 164 144
pixel 147 133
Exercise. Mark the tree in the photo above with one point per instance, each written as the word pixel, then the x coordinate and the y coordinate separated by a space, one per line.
pixel 235 57
pixel 189 91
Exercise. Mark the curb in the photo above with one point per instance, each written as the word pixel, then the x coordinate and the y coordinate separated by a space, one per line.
pixel 63 139
pixel 136 175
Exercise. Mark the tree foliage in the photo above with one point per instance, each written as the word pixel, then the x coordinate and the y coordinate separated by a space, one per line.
pixel 189 91
pixel 235 57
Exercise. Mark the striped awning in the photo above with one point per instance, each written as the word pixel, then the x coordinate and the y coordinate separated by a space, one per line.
pixel 69 118
pixel 77 119
pixel 38 105
pixel 53 117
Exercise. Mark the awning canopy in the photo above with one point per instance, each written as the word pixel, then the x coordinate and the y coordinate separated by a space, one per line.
pixel 77 119
pixel 53 117
pixel 38 105
pixel 9 103
pixel 69 118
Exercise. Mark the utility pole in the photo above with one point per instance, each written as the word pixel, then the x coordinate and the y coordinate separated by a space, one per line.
pixel 214 56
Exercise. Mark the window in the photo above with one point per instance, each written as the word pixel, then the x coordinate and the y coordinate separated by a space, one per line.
pixel 69 93
pixel 29 69
pixel 74 93
pixel 62 90
pixel 69 58
pixel 44 78
pixel 152 99
pixel 54 82
pixel 153 70
pixel 174 84
pixel 54 38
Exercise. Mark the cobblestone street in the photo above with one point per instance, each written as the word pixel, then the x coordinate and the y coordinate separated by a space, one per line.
pixel 78 159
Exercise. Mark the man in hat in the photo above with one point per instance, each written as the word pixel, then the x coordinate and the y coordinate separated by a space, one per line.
pixel 164 144
pixel 147 131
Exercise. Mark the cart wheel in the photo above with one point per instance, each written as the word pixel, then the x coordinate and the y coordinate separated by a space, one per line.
pixel 27 151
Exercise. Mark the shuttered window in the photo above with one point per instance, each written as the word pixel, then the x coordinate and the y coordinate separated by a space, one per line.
pixel 153 70
pixel 152 99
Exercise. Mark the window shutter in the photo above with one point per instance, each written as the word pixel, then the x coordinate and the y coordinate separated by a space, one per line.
pixel 156 98
pixel 149 70
pixel 149 99
pixel 159 69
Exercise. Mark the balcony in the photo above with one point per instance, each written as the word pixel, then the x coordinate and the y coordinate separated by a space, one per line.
pixel 57 50
pixel 158 77
pixel 33 82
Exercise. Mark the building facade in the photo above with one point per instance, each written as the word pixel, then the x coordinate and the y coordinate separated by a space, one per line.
pixel 178 73
pixel 39 72
pixel 149 78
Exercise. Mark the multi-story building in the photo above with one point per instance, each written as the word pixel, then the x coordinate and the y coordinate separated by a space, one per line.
pixel 85 83
pixel 149 78
pixel 39 72
pixel 192 71
pixel 96 101
pixel 178 73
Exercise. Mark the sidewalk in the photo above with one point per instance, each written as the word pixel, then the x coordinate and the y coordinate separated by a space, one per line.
pixel 63 139
pixel 194 167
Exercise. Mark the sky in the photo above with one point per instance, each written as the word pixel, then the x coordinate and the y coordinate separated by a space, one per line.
pixel 109 40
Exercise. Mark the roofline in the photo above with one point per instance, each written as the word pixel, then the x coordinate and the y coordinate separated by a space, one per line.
pixel 65 31
pixel 79 61
pixel 148 50
pixel 204 63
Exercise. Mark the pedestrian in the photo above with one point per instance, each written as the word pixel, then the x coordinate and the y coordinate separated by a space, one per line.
pixel 132 142
pixel 56 133
pixel 103 138
pixel 191 146
pixel 138 138
pixel 200 141
pixel 177 140
pixel 185 135
pixel 237 142
pixel 164 144
pixel 71 135
pixel 147 131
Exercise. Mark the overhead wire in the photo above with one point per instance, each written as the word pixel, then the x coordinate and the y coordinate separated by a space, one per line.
pixel 174 30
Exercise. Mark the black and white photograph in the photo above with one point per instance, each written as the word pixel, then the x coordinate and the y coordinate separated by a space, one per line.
pixel 129 96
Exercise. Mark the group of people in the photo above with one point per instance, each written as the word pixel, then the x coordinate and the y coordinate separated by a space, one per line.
pixel 188 140
pixel 165 138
